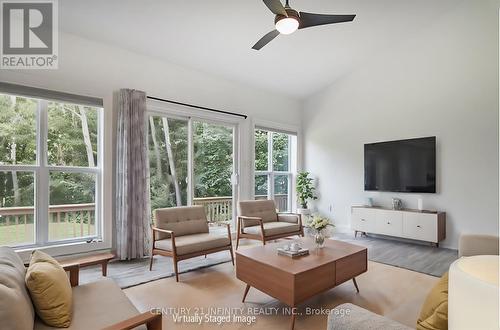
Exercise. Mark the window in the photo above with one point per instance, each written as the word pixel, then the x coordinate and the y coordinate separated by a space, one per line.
pixel 50 171
pixel 275 165
pixel 192 162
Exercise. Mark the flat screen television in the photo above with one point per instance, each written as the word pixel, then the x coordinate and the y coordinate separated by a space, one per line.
pixel 401 166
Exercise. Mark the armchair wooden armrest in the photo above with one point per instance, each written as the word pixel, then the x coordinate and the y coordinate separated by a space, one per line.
pixel 163 230
pixel 152 321
pixel 243 217
pixel 74 273
pixel 171 233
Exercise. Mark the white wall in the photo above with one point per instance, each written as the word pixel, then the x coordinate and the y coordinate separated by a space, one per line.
pixel 442 81
pixel 95 69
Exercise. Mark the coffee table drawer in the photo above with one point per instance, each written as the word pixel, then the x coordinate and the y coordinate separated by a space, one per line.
pixel 350 267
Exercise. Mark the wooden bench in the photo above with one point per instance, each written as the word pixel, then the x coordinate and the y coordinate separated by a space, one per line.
pixel 91 260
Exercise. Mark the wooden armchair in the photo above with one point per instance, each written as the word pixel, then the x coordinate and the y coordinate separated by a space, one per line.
pixel 259 220
pixel 182 233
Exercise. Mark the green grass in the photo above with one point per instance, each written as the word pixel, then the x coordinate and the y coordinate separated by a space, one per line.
pixel 24 234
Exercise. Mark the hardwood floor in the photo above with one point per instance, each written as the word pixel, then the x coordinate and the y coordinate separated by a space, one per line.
pixel 394 292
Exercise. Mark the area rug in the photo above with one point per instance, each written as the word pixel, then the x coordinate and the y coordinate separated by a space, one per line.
pixel 413 256
pixel 131 273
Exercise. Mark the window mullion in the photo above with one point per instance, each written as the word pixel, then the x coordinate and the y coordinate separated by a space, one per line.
pixel 42 188
pixel 270 187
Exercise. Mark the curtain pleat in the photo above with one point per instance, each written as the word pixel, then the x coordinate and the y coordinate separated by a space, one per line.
pixel 132 177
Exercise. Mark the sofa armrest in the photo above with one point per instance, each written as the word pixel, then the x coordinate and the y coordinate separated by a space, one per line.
pixel 152 321
pixel 289 217
pixel 349 317
pixel 74 273
pixel 471 245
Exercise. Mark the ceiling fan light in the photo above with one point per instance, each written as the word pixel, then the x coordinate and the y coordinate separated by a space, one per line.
pixel 287 25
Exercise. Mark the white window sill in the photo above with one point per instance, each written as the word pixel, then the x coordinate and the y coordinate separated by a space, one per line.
pixel 65 249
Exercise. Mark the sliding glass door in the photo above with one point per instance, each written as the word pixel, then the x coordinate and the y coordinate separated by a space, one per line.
pixel 193 162
pixel 168 161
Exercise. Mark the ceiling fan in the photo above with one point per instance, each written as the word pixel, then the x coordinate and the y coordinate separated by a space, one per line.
pixel 288 20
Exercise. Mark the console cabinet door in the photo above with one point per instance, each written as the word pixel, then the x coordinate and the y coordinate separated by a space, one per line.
pixel 389 223
pixel 363 220
pixel 420 226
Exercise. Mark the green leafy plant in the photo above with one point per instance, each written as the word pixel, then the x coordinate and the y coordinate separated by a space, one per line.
pixel 305 189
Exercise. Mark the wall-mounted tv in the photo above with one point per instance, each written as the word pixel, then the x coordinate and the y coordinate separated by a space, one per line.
pixel 401 166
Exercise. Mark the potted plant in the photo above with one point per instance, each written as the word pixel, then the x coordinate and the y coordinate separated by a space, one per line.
pixel 318 224
pixel 305 192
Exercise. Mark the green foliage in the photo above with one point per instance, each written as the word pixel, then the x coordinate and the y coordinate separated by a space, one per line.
pixel 280 154
pixel 213 160
pixel 162 186
pixel 305 189
pixel 65 146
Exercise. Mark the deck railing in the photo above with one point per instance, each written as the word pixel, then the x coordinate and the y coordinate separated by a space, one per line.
pixel 65 221
pixel 78 220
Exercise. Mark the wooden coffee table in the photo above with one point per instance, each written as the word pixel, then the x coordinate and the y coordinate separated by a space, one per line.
pixel 292 281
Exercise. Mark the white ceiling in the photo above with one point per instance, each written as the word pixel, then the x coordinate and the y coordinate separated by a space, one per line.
pixel 216 36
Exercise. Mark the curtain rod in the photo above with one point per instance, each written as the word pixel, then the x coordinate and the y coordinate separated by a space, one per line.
pixel 198 107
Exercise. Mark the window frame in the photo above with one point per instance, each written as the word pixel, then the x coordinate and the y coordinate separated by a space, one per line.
pixel 41 168
pixel 270 172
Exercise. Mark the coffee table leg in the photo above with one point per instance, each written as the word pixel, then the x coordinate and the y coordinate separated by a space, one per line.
pixel 355 284
pixel 292 321
pixel 246 292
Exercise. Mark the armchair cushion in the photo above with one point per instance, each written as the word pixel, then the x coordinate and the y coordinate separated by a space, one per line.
pixel 264 209
pixel 182 220
pixel 273 228
pixel 193 243
pixel 16 309
pixel 288 217
pixel 97 305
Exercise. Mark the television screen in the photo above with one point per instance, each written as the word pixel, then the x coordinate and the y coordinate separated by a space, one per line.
pixel 401 166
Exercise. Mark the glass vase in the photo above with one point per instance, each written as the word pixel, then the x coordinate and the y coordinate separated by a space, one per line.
pixel 319 239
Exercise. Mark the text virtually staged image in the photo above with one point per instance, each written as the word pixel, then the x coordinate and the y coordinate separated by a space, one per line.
pixel 260 164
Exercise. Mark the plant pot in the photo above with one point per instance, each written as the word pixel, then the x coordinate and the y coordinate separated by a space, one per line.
pixel 303 211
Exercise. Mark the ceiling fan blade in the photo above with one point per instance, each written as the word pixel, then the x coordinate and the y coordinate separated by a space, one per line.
pixel 276 7
pixel 265 39
pixel 309 19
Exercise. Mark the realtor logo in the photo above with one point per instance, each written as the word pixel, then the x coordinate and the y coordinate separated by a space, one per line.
pixel 29 34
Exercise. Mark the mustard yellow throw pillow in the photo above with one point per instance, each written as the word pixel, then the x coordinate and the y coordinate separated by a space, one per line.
pixel 434 313
pixel 50 290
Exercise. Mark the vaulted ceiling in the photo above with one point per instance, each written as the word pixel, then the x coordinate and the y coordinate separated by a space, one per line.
pixel 216 36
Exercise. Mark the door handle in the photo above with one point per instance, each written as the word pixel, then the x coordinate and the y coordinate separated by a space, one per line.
pixel 418 226
pixel 363 220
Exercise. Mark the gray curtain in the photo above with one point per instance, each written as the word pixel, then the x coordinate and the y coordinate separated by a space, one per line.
pixel 132 177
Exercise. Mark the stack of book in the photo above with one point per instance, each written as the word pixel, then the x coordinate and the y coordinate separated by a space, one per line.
pixel 289 253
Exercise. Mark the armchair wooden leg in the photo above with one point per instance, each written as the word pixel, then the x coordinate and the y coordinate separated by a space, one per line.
pixel 237 241
pixel 151 262
pixel 232 255
pixel 176 270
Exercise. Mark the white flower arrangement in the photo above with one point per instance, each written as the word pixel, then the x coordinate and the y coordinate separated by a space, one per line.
pixel 319 223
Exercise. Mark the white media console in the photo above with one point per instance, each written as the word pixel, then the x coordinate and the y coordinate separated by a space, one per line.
pixel 426 226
